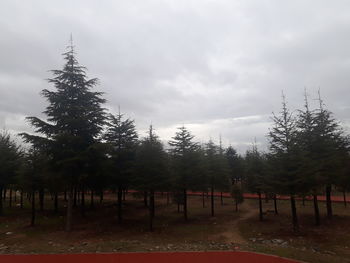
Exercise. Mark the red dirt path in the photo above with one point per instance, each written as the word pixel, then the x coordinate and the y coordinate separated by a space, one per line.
pixel 172 257
pixel 321 198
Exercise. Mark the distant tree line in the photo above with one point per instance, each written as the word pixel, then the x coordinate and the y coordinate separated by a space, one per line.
pixel 81 150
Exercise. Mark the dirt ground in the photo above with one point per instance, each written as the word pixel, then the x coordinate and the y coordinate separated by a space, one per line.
pixel 228 230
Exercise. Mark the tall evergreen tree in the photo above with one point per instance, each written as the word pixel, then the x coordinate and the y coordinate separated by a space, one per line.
pixel 75 119
pixel 217 170
pixel 122 136
pixel 152 169
pixel 186 161
pixel 285 154
pixel 331 146
pixel 306 139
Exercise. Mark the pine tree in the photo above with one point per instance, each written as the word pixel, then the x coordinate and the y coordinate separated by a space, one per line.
pixel 152 169
pixel 285 157
pixel 306 139
pixel 186 161
pixel 255 175
pixel 236 165
pixel 331 148
pixel 10 158
pixel 32 173
pixel 122 136
pixel 75 119
pixel 217 170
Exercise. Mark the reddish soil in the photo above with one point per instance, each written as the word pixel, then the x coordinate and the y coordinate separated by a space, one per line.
pixel 279 197
pixel 172 257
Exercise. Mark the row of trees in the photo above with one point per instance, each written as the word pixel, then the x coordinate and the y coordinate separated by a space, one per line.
pixel 81 148
pixel 308 155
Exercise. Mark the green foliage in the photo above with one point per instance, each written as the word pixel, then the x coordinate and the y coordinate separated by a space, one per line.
pixel 255 177
pixel 285 152
pixel 217 167
pixel 151 164
pixel 10 158
pixel 34 170
pixel 186 159
pixel 75 119
pixel 122 137
pixel 235 163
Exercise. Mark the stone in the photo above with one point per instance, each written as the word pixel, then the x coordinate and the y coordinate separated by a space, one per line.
pixel 277 241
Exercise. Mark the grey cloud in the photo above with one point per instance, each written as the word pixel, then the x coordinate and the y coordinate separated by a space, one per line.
pixel 208 64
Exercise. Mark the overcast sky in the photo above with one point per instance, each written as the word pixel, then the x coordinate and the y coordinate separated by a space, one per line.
pixel 216 66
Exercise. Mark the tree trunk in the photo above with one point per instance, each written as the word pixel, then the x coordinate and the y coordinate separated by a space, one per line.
pixel 344 198
pixel 329 201
pixel 32 221
pixel 185 205
pixel 294 214
pixel 221 198
pixel 275 203
pixel 124 195
pixel 15 195
pixel 260 207
pixel 56 202
pixel 75 197
pixel 203 200
pixel 5 190
pixel 317 211
pixel 1 197
pixel 41 199
pixel 82 201
pixel 69 210
pixel 92 199
pixel 21 199
pixel 101 196
pixel 10 200
pixel 151 209
pixel 145 198
pixel 119 204
pixel 212 200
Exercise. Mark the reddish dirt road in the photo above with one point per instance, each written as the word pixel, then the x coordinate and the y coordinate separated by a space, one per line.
pixel 174 257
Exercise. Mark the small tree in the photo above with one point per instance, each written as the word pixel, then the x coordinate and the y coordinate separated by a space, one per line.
pixel 255 177
pixel 32 175
pixel 236 165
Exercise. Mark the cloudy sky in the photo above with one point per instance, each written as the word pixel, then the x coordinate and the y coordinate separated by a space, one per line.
pixel 216 66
